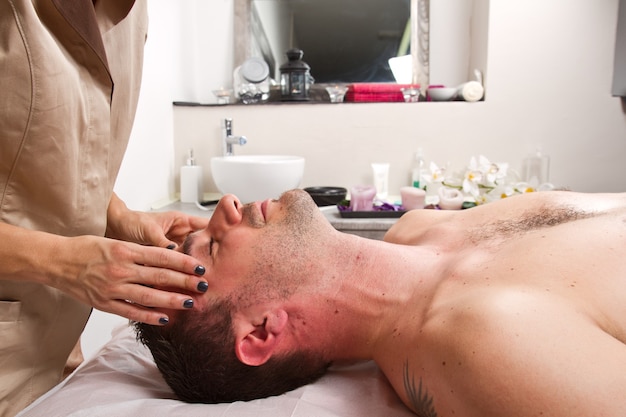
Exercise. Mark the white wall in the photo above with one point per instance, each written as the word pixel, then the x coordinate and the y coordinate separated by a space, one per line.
pixel 550 68
pixel 203 55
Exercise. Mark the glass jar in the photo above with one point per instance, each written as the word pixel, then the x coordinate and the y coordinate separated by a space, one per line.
pixel 251 81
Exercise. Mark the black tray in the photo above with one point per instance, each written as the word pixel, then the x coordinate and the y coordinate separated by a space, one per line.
pixel 375 214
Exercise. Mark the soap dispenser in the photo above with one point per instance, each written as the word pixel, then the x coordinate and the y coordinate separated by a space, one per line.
pixel 191 181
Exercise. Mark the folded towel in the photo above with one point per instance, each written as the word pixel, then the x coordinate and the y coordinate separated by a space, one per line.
pixel 376 92
pixel 471 91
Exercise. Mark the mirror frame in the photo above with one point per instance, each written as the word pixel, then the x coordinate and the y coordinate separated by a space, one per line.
pixel 420 34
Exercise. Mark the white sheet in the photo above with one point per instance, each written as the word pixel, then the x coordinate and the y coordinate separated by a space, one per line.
pixel 122 380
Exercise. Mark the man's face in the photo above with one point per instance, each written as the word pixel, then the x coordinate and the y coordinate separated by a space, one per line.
pixel 256 249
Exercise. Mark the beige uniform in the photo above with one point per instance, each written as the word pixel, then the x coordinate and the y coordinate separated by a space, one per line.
pixel 69 84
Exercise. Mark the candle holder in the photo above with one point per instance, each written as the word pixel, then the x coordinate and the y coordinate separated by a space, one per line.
pixel 362 197
pixel 223 95
pixel 295 77
pixel 336 93
pixel 411 94
pixel 413 198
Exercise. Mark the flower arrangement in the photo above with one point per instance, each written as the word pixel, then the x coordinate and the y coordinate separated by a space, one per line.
pixel 481 182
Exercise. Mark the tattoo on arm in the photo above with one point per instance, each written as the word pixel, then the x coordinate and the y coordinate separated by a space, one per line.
pixel 419 399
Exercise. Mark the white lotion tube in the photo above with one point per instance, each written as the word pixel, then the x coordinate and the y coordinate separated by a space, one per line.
pixel 191 181
pixel 380 172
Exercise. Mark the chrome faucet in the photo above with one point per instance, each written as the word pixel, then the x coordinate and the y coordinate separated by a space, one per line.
pixel 230 139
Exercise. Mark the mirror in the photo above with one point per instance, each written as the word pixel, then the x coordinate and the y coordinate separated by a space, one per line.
pixel 342 40
pixel 351 41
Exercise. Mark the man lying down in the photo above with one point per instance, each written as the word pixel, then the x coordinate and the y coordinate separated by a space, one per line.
pixel 514 308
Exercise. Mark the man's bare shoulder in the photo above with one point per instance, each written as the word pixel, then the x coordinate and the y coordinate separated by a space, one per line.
pixel 419 226
pixel 515 344
pixel 416 225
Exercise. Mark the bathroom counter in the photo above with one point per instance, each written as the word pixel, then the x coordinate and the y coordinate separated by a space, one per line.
pixel 371 228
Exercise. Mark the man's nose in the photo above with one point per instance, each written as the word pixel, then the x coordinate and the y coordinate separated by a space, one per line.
pixel 227 213
pixel 232 209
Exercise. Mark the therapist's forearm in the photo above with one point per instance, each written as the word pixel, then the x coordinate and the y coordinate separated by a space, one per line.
pixel 28 255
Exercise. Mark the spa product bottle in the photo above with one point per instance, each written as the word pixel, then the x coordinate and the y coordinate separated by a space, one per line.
pixel 536 168
pixel 417 171
pixel 190 181
pixel 380 172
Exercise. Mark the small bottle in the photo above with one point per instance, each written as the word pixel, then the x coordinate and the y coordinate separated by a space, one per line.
pixel 191 181
pixel 380 173
pixel 536 168
pixel 417 171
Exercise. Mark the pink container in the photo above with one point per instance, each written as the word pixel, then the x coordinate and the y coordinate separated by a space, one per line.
pixel 362 197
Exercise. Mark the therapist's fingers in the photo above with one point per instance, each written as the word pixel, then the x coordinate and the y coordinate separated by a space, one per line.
pixel 149 305
pixel 141 314
pixel 125 278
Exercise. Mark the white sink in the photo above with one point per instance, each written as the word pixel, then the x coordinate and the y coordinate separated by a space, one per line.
pixel 256 177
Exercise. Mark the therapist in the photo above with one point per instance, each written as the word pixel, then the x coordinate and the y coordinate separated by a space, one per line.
pixel 70 72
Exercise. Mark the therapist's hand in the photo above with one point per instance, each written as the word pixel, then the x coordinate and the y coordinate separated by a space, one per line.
pixel 132 272
pixel 122 277
pixel 162 229
pixel 166 230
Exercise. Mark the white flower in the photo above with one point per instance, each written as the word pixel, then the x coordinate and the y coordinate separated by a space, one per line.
pixel 483 180
pixel 472 178
pixel 482 199
pixel 524 187
pixel 492 173
pixel 501 191
pixel 436 174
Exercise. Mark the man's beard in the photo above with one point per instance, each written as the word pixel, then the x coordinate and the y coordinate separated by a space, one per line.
pixel 281 255
pixel 297 204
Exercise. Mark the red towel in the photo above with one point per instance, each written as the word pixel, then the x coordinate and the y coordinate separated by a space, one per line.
pixel 376 92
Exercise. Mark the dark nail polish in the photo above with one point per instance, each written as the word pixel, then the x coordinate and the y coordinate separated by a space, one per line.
pixel 188 303
pixel 203 286
pixel 200 270
pixel 163 320
pixel 171 246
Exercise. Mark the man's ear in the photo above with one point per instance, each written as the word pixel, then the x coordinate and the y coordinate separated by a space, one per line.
pixel 256 339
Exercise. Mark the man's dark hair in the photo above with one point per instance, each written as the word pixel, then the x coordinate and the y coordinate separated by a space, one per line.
pixel 196 356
